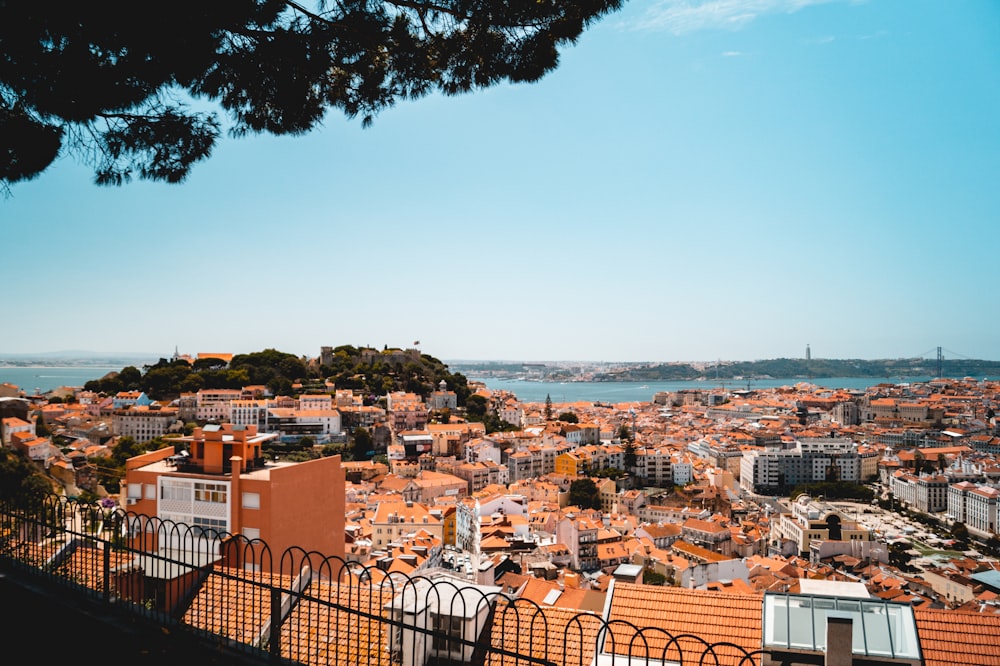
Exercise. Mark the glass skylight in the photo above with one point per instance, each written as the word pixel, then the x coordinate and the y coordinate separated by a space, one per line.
pixel 880 628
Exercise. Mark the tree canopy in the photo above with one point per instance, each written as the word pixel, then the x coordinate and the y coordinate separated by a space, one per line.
pixel 364 370
pixel 583 493
pixel 139 95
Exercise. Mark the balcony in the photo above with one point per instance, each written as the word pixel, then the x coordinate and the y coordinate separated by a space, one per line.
pixel 187 466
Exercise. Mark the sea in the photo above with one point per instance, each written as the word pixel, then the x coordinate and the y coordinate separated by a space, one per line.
pixel 615 392
pixel 41 379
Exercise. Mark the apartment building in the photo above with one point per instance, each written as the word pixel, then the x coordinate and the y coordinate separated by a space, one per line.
pixel 471 512
pixel 480 474
pixel 293 424
pixel 773 470
pixel 580 434
pixel 813 521
pixel 712 535
pixel 450 439
pixel 143 423
pixel 573 463
pixel 654 465
pixel 397 521
pixel 976 506
pixel 218 482
pixel 361 416
pixel 927 493
pixel 36 448
pixel 579 534
pixel 724 455
pixel 125 399
pixel 213 405
pixel 13 424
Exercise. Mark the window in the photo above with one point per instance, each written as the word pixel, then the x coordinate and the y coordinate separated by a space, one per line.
pixel 210 492
pixel 446 629
pixel 172 491
pixel 251 533
pixel 211 528
pixel 251 500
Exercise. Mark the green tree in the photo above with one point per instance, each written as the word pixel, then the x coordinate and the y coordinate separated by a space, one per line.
pixel 651 577
pixel 99 80
pixel 548 407
pixel 332 450
pixel 629 457
pixel 21 482
pixel 475 407
pixel 130 378
pixel 608 473
pixel 41 428
pixel 959 532
pixel 494 423
pixel 362 446
pixel 583 493
pixel 208 363
pixel 125 448
pixel 900 556
pixel 569 417
pixel 280 386
pixel 992 545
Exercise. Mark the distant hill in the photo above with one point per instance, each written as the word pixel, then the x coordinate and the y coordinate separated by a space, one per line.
pixel 779 368
pixel 790 368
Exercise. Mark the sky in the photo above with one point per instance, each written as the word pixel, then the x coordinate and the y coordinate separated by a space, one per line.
pixel 699 180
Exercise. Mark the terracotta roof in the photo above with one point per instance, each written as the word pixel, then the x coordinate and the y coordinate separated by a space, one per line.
pixel 326 627
pixel 234 603
pixel 715 617
pixel 948 637
pixel 560 635
pixel 86 566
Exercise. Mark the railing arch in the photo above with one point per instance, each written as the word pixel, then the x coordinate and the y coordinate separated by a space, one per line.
pixel 301 606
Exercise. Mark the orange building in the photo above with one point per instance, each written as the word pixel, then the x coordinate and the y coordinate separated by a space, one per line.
pixel 220 483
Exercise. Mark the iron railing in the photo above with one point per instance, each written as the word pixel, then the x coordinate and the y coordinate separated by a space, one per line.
pixel 306 608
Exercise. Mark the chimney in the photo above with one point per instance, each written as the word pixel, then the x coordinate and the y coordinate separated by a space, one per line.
pixel 839 640
pixel 237 501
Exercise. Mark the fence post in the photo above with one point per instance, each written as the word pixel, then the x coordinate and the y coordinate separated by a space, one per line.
pixel 274 646
pixel 106 564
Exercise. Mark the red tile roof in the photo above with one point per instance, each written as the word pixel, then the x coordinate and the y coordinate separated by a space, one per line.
pixel 713 617
pixel 566 637
pixel 950 637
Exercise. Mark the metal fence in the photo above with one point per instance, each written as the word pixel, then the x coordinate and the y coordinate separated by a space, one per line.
pixel 303 607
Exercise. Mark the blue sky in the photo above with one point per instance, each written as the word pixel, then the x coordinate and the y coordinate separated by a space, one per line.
pixel 699 180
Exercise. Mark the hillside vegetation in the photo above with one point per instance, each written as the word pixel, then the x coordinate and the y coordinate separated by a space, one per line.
pixel 367 371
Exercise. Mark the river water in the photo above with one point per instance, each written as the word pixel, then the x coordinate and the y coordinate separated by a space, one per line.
pixel 532 391
pixel 45 378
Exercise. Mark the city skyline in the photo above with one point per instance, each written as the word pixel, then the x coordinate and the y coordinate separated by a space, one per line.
pixel 724 179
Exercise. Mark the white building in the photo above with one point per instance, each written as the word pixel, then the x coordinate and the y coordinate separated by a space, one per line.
pixel 975 506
